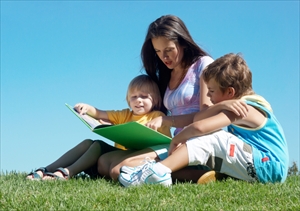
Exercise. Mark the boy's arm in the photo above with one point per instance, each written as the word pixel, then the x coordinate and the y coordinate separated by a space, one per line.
pixel 202 127
pixel 212 123
pixel 239 107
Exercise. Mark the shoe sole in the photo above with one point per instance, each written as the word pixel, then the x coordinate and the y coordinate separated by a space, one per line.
pixel 210 176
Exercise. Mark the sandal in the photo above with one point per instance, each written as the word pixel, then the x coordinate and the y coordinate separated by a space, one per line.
pixel 56 177
pixel 35 176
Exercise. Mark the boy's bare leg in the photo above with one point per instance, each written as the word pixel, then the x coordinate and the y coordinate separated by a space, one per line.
pixel 69 157
pixel 177 163
pixel 178 159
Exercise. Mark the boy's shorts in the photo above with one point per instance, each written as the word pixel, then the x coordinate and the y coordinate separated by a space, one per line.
pixel 105 148
pixel 224 153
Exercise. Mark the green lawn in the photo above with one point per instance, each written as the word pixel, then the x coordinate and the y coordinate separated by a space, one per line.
pixel 85 194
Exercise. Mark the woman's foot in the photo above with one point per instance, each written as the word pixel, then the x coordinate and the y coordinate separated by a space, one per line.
pixel 59 174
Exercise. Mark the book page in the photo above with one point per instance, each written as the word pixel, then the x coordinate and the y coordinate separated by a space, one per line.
pixel 90 120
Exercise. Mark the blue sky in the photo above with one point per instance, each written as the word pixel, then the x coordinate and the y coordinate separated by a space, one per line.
pixel 57 52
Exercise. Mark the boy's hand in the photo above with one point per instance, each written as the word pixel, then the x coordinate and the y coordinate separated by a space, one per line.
pixel 174 145
pixel 239 107
pixel 82 108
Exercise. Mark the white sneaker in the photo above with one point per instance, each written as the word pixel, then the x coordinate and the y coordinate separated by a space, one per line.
pixel 130 170
pixel 146 175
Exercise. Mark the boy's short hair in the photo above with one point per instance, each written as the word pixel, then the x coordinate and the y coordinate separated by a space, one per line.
pixel 230 70
pixel 146 84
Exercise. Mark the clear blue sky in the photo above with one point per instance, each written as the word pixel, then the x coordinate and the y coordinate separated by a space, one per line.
pixel 57 52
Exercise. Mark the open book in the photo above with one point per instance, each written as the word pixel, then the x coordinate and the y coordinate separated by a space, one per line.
pixel 131 135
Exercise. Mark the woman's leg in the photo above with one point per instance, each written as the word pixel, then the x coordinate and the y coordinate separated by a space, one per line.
pixel 69 157
pixel 125 158
pixel 188 174
pixel 105 161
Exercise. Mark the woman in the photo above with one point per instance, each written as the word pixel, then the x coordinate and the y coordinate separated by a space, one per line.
pixel 172 58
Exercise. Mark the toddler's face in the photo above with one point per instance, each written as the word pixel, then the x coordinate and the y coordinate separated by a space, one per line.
pixel 140 102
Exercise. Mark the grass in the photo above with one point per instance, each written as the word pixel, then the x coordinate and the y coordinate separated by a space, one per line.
pixel 85 194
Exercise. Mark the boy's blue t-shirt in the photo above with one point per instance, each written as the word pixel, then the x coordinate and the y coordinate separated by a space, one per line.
pixel 270 151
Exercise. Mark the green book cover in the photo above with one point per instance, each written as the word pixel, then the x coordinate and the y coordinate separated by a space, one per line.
pixel 132 135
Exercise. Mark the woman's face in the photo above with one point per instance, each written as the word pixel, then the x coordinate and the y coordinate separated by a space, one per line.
pixel 168 51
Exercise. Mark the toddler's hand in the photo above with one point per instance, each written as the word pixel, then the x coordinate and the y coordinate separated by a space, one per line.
pixel 155 123
pixel 82 108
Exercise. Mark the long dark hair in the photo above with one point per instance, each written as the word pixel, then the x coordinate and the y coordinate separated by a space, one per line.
pixel 172 28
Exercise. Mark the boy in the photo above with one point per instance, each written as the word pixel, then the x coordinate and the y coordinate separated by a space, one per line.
pixel 253 149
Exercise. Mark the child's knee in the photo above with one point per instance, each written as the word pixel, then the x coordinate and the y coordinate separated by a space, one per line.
pixel 84 145
pixel 87 143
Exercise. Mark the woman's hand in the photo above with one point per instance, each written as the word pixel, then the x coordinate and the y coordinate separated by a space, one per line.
pixel 82 108
pixel 155 123
pixel 239 107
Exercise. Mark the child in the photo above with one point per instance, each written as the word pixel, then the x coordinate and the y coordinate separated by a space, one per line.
pixel 143 98
pixel 253 149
